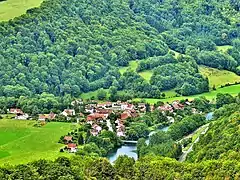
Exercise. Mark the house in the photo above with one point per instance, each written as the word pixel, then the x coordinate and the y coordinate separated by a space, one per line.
pixel 16 111
pixel 105 105
pixel 126 106
pixel 96 129
pixel 67 139
pixel 177 105
pixel 105 112
pixel 22 116
pixel 120 133
pixel 166 107
pixel 170 119
pixel 77 102
pixel 72 148
pixel 152 108
pixel 68 112
pixel 120 130
pixel 116 106
pixel 43 117
pixel 91 118
pixel 125 115
pixel 142 107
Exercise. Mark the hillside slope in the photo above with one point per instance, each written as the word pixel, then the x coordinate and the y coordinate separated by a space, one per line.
pixel 222 139
pixel 76 46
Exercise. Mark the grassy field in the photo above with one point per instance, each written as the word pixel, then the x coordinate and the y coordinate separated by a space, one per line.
pixel 218 77
pixel 91 94
pixel 20 142
pixel 224 48
pixel 132 65
pixel 13 8
pixel 233 90
pixel 146 75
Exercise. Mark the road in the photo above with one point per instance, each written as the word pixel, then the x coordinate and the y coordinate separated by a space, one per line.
pixel 185 153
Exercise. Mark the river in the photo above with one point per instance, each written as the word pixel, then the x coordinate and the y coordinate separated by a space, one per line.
pixel 130 149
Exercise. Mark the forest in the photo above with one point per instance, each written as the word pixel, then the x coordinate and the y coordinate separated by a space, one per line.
pixel 76 46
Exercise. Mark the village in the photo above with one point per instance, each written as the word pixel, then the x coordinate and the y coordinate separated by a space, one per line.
pixel 95 114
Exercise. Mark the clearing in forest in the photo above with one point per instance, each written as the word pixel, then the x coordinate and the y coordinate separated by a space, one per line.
pixel 218 77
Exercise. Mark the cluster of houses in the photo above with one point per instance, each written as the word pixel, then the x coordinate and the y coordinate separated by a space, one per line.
pixel 98 113
pixel 19 114
pixel 71 147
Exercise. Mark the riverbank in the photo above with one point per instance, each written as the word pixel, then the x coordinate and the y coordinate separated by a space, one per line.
pixel 130 149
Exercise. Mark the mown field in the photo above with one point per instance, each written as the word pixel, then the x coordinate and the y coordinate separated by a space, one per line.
pixel 219 77
pixel 233 90
pixel 20 142
pixel 13 8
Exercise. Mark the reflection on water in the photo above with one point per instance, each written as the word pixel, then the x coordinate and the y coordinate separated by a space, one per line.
pixel 130 150
pixel 209 116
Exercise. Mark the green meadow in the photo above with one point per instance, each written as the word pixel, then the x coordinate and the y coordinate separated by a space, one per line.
pixel 21 142
pixel 10 9
pixel 233 90
pixel 219 77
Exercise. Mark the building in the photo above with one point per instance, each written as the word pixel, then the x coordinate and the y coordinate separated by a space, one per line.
pixel 67 139
pixel 177 105
pixel 72 148
pixel 16 111
pixel 96 129
pixel 22 116
pixel 69 112
pixel 95 118
pixel 43 117
pixel 166 107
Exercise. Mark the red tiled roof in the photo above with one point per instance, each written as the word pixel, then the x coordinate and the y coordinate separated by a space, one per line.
pixel 125 116
pixel 69 111
pixel 51 115
pixel 68 138
pixel 95 116
pixel 104 111
pixel 72 145
pixel 16 111
pixel 42 116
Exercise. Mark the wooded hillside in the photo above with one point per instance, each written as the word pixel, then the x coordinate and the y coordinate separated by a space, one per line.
pixel 76 46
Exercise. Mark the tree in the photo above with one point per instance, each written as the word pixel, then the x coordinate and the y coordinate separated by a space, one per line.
pixel 101 94
pixel 223 99
pixel 80 139
pixel 124 166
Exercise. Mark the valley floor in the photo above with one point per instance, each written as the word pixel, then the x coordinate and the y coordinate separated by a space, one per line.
pixel 21 142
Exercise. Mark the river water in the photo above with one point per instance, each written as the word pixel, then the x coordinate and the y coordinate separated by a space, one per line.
pixel 130 149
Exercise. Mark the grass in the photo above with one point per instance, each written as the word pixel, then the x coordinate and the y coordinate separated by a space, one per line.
pixel 132 65
pixel 218 77
pixel 233 90
pixel 177 54
pixel 146 75
pixel 224 48
pixel 91 94
pixel 10 9
pixel 20 142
